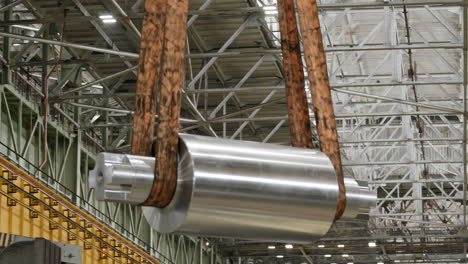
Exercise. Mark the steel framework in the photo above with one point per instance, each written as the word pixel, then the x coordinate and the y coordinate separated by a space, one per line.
pixel 398 72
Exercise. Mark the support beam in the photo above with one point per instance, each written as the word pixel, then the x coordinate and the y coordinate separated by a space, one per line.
pixel 70 45
pixel 8 6
pixel 168 111
pixel 298 109
pixel 321 94
pixel 123 111
pixel 238 52
pixel 109 77
pixel 247 22
pixel 6 73
pixel 400 101
pixel 465 109
pixel 381 4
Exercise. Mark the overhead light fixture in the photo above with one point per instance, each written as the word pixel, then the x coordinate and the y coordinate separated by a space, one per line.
pixel 288 246
pixel 350 263
pixel 279 256
pixel 380 262
pixel 328 256
pixel 271 247
pixel 16 44
pixel 341 246
pixel 345 255
pixel 107 19
pixel 372 244
pixel 207 243
pixel 321 246
pixel 397 261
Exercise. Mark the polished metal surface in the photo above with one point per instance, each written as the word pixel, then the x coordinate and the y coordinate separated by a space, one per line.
pixel 249 190
pixel 236 189
pixel 359 199
pixel 122 177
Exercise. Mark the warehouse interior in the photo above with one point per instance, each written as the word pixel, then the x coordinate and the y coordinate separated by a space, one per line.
pixel 397 73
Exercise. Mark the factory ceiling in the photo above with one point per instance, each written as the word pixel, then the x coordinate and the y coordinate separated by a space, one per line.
pixel 398 75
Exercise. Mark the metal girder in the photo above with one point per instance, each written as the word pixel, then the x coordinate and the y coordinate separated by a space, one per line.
pixel 109 77
pixel 234 53
pixel 391 4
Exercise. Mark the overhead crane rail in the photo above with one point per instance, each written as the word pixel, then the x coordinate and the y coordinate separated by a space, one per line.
pixel 31 207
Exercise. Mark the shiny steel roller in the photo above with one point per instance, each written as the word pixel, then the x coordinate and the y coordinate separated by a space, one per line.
pixel 240 189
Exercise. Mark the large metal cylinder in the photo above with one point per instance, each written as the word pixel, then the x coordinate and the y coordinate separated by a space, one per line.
pixel 241 189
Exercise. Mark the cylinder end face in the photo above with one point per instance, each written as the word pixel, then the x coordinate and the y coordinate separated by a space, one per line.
pixel 122 178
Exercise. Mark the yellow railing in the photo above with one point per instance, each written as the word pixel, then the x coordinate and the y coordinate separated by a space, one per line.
pixel 28 208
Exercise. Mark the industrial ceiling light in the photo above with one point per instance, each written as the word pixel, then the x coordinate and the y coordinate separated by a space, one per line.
pixel 341 246
pixel 396 261
pixel 328 256
pixel 380 262
pixel 345 255
pixel 288 246
pixel 372 244
pixel 271 247
pixel 321 246
pixel 279 256
pixel 207 243
pixel 350 263
pixel 107 19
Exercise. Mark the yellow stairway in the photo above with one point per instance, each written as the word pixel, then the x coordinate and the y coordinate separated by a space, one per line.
pixel 29 208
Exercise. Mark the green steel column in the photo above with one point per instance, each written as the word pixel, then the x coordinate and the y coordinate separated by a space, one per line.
pixel 6 72
pixel 77 155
